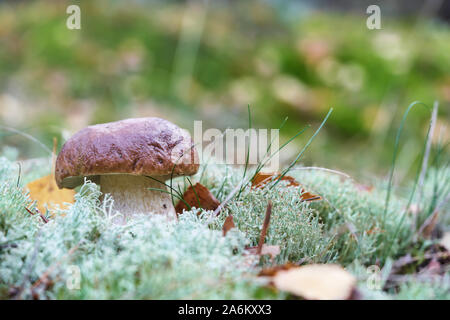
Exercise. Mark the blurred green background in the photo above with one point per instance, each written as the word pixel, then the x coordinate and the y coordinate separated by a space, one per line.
pixel 207 60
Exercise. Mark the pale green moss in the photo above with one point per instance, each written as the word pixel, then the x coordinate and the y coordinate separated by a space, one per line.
pixel 151 258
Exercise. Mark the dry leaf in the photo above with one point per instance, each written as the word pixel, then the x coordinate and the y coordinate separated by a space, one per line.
pixel 317 282
pixel 197 196
pixel 228 225
pixel 47 194
pixel 272 271
pixel 260 180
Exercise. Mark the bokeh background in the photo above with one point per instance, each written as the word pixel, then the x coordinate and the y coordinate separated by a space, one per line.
pixel 207 60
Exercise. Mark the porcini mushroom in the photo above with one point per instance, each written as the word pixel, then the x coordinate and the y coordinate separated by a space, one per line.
pixel 128 158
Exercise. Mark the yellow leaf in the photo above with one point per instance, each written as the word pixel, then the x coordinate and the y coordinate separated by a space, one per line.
pixel 47 195
pixel 317 282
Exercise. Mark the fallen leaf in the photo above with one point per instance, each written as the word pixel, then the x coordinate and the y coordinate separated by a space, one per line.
pixel 260 180
pixel 272 271
pixel 445 241
pixel 47 194
pixel 317 282
pixel 228 225
pixel 197 196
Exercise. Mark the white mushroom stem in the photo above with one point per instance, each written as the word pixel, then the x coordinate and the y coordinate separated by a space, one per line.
pixel 132 196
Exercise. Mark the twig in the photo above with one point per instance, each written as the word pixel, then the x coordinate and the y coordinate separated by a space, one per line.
pixel 40 214
pixel 20 173
pixel 262 237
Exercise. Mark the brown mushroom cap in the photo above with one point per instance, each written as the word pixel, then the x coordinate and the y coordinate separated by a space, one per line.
pixel 141 146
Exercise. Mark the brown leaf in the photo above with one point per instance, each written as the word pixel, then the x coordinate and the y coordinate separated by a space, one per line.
pixel 197 196
pixel 317 282
pixel 307 196
pixel 47 194
pixel 228 225
pixel 260 180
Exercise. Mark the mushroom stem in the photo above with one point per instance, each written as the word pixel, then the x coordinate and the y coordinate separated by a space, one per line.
pixel 132 196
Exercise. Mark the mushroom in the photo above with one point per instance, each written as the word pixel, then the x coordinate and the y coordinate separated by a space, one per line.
pixel 128 158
